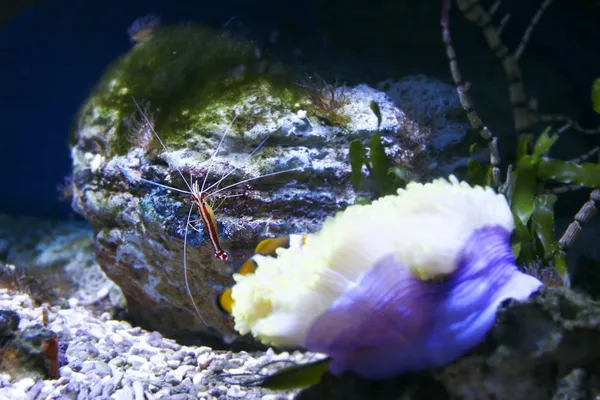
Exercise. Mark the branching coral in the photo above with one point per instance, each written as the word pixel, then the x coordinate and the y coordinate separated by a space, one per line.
pixel 140 133
pixel 326 98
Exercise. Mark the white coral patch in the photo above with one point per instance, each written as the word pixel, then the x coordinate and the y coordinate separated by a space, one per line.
pixel 96 162
pixel 425 226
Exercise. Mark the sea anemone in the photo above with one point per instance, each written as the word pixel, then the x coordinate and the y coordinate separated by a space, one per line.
pixel 409 282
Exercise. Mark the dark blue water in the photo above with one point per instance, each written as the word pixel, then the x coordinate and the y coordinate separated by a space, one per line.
pixel 52 55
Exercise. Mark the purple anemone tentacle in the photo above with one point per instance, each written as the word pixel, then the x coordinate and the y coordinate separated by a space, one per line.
pixel 485 276
pixel 374 313
pixel 390 322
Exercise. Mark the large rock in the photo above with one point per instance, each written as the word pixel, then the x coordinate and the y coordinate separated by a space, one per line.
pixel 193 93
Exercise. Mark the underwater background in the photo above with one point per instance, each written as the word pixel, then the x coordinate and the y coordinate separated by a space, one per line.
pixel 107 290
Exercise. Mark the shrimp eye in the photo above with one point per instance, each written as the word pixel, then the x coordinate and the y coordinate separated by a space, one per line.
pixel 221 255
pixel 225 301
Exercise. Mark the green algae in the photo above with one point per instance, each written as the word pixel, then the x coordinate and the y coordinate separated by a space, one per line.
pixel 194 78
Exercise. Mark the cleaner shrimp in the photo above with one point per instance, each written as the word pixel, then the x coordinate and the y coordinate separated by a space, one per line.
pixel 200 196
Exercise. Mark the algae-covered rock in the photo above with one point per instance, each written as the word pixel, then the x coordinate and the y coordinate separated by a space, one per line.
pixel 547 347
pixel 195 78
pixel 197 87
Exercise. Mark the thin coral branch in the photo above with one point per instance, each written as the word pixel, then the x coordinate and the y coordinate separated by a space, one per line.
pixel 327 98
pixel 585 213
pixel 502 24
pixel 461 89
pixel 585 156
pixel 527 35
pixel 494 7
pixel 565 189
pixel 547 118
pixel 474 12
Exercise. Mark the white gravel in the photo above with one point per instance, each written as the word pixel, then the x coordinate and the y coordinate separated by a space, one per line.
pixel 110 359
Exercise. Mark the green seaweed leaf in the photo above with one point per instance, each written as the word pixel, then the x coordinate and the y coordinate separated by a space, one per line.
pixel 375 108
pixel 381 166
pixel 542 223
pixel 596 95
pixel 472 148
pixel 544 142
pixel 488 176
pixel 385 177
pixel 399 175
pixel 560 263
pixel 521 242
pixel 516 248
pixel 584 174
pixel 509 186
pixel 357 159
pixel 523 146
pixel 294 377
pixel 524 188
pixel 475 171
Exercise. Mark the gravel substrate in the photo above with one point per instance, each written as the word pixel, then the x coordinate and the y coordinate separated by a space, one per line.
pixel 110 359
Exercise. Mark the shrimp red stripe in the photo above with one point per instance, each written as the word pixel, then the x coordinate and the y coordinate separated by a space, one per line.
pixel 211 227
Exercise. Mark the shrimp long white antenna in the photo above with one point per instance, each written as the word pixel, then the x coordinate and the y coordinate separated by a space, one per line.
pixel 212 158
pixel 185 277
pixel 234 168
pixel 151 126
pixel 164 186
pixel 188 184
pixel 252 179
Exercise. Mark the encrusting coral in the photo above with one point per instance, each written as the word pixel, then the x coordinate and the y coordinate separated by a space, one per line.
pixel 409 282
